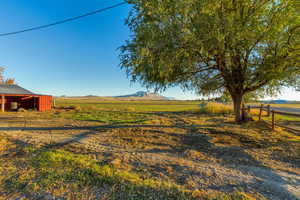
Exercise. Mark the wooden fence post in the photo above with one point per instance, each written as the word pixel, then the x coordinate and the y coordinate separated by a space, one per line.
pixel 243 112
pixel 273 120
pixel 249 108
pixel 269 110
pixel 260 112
pixel 53 103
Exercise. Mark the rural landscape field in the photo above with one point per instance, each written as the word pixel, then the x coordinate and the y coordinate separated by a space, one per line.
pixel 215 115
pixel 89 148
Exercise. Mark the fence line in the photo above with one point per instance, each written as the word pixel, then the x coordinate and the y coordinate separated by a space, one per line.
pixel 272 113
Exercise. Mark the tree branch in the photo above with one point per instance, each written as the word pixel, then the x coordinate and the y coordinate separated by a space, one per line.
pixel 253 88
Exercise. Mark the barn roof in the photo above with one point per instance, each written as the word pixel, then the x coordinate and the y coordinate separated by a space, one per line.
pixel 13 89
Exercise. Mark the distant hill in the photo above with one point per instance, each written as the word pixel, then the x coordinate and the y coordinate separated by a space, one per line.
pixel 140 95
pixel 279 101
pixel 91 96
pixel 146 96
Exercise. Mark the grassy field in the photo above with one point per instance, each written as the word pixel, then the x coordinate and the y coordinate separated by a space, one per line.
pixel 91 149
pixel 286 105
pixel 131 106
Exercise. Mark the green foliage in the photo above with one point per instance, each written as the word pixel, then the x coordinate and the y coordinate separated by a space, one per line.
pixel 204 43
pixel 210 46
pixel 248 98
pixel 225 98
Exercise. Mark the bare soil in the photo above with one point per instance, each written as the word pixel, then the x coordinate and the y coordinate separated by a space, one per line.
pixel 198 152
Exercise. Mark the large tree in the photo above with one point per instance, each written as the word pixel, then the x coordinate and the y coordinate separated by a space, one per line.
pixel 248 98
pixel 212 46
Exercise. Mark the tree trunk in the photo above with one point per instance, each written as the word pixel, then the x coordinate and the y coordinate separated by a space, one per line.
pixel 237 104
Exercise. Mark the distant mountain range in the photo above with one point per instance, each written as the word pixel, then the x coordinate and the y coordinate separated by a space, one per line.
pixel 140 95
pixel 146 95
pixel 280 101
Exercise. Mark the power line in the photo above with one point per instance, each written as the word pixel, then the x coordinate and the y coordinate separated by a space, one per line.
pixel 63 21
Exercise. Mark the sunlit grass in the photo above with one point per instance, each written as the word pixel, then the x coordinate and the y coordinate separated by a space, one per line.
pixel 113 112
pixel 278 117
pixel 131 106
pixel 286 105
pixel 31 170
pixel 216 108
pixel 111 117
pixel 73 176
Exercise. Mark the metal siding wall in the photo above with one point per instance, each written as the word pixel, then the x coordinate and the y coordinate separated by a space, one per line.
pixel 45 103
pixel 40 104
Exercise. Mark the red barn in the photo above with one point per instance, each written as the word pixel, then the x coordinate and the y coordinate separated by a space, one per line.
pixel 14 97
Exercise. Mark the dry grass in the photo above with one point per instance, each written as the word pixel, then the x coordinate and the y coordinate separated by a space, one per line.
pixel 220 108
pixel 50 174
pixel 217 108
pixel 256 112
pixel 170 155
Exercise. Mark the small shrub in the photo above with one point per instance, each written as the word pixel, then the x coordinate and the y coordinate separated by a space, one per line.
pixel 71 107
pixel 77 108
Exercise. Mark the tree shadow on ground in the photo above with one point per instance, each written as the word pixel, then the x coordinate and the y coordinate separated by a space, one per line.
pixel 236 158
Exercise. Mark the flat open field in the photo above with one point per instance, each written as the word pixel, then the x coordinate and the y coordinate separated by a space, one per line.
pixel 287 105
pixel 92 149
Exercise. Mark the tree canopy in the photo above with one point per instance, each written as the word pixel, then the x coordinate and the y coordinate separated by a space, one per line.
pixel 213 46
pixel 251 97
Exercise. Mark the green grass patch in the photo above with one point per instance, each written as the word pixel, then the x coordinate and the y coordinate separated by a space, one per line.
pixel 116 112
pixel 110 117
pixel 65 174
pixel 281 118
pixel 130 106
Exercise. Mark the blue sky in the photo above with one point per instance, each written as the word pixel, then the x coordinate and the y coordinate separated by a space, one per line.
pixel 76 58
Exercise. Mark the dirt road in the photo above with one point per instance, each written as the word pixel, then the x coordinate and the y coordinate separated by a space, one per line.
pixel 285 109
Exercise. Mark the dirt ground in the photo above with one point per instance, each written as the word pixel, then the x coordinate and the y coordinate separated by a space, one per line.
pixel 205 154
